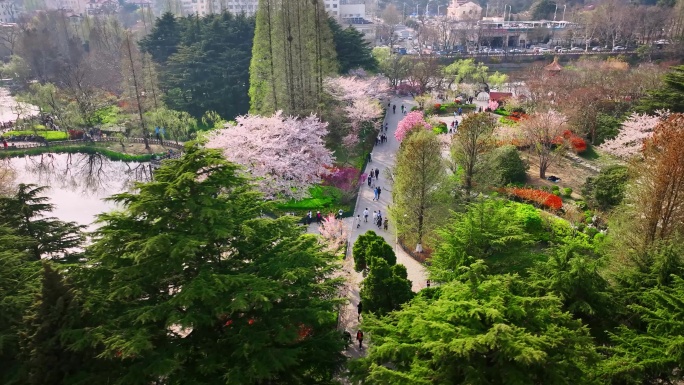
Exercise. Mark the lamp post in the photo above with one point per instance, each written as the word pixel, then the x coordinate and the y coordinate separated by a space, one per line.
pixel 438 7
pixel 487 11
pixel 554 12
pixel 564 8
pixel 416 10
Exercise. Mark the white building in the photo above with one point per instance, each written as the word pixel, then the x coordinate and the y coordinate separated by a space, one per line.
pixel 76 6
pixel 332 7
pixel 464 10
pixel 249 7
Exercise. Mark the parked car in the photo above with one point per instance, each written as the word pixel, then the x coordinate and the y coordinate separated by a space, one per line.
pixel 576 49
pixel 557 48
pixel 619 48
pixel 563 50
pixel 497 50
pixel 515 50
pixel 544 50
pixel 597 49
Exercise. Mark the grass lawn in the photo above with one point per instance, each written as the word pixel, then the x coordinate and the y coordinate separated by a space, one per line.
pixel 49 135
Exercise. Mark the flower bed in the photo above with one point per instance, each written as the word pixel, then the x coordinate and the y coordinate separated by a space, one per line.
pixel 541 198
pixel 578 144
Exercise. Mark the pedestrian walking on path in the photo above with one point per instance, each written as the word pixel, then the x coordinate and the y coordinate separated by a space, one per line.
pixel 394 109
pixel 359 337
pixel 358 220
pixel 385 224
pixel 365 214
pixel 359 309
pixel 377 173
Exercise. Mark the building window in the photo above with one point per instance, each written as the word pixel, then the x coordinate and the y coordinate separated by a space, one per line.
pixel 334 5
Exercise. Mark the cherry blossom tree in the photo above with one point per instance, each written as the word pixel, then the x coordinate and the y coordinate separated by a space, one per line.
pixel 285 154
pixel 334 232
pixel 635 130
pixel 363 110
pixel 541 131
pixel 350 88
pixel 412 120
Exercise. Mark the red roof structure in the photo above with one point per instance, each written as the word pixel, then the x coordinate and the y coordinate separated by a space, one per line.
pixel 554 66
pixel 500 96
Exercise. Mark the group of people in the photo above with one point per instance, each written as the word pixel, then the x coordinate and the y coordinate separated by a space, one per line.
pixel 6 125
pixel 376 220
pixel 373 177
pixel 382 138
pixel 394 108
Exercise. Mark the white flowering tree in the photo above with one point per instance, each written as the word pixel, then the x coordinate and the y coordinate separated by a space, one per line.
pixel 334 232
pixel 635 130
pixel 285 154
pixel 360 95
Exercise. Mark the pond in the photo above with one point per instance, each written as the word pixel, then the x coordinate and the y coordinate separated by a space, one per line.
pixel 78 183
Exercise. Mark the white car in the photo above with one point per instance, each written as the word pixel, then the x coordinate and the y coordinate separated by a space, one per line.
pixel 563 50
pixel 619 48
pixel 597 49
pixel 576 49
pixel 544 50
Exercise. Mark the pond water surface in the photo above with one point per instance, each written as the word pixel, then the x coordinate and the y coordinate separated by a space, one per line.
pixel 78 183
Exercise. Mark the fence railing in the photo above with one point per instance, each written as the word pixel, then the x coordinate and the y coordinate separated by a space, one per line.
pixel 20 145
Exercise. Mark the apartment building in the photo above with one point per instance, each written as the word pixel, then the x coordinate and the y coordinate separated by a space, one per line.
pixel 205 7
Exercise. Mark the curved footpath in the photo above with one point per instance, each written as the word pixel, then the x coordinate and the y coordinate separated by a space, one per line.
pixel 383 157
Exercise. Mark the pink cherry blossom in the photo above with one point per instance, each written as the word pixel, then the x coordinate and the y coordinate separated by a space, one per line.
pixel 635 130
pixel 350 88
pixel 413 119
pixel 334 232
pixel 363 110
pixel 286 155
pixel 493 105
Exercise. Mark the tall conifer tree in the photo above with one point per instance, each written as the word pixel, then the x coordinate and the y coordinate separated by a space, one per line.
pixel 293 51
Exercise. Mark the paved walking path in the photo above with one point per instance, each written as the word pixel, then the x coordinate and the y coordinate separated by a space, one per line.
pixel 383 158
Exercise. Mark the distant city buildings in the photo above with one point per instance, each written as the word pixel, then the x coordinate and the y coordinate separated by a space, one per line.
pixel 464 10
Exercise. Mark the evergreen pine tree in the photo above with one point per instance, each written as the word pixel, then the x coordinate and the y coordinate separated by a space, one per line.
pixel 385 288
pixel 293 51
pixel 195 286
pixel 352 48
pixel 26 211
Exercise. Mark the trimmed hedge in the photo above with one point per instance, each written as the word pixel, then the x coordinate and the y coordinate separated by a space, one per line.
pixel 48 135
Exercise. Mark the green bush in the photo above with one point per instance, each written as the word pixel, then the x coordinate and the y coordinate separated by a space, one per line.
pixel 529 217
pixel 607 189
pixel 442 110
pixel 555 188
pixel 591 231
pixel 607 127
pixel 440 128
pixel 504 166
pixel 567 192
pixel 49 135
pixel 556 192
pixel 415 108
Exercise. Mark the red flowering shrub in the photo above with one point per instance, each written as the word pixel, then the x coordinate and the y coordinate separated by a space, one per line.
pixel 437 106
pixel 542 198
pixel 347 179
pixel 578 144
pixel 76 134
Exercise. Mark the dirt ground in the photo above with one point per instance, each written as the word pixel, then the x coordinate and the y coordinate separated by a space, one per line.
pixel 571 174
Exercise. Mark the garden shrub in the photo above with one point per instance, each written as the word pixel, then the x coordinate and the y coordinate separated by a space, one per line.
pixel 591 231
pixel 442 110
pixel 76 134
pixel 49 135
pixel 607 128
pixel 607 189
pixel 567 192
pixel 530 218
pixel 440 128
pixel 415 108
pixel 542 198
pixel 505 166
